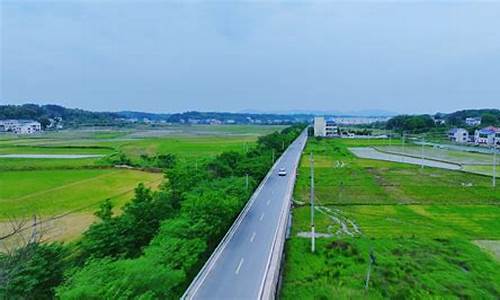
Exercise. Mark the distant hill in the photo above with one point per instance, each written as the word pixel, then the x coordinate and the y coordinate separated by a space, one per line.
pixel 239 118
pixel 334 113
pixel 458 118
pixel 78 117
pixel 70 116
pixel 143 115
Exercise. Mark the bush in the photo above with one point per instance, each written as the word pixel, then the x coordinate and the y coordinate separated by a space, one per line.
pixel 123 279
pixel 32 272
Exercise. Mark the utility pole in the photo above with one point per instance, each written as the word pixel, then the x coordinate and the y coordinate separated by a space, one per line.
pixel 282 145
pixel 422 153
pixel 372 261
pixel 246 182
pixel 313 233
pixel 494 165
pixel 402 146
pixel 273 155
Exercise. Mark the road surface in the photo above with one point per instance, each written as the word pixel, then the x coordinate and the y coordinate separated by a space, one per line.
pixel 239 268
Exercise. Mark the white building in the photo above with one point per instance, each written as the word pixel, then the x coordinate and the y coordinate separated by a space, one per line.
pixel 324 127
pixel 458 135
pixel 487 136
pixel 473 121
pixel 319 126
pixel 331 128
pixel 20 126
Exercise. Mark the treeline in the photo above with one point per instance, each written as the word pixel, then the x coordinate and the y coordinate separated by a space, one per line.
pixel 156 246
pixel 78 117
pixel 425 123
pixel 411 123
pixel 239 118
pixel 69 116
pixel 488 117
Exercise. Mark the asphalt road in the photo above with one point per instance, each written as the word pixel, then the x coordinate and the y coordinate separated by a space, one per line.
pixel 238 268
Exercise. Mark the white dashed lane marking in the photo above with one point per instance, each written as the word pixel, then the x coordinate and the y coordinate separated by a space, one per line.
pixel 239 266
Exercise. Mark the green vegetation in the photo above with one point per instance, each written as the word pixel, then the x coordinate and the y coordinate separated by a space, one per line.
pixel 54 192
pixel 32 271
pixel 40 164
pixel 378 182
pixel 458 118
pixel 432 221
pixel 404 268
pixel 485 170
pixel 418 224
pixel 139 148
pixel 454 156
pixel 414 123
pixel 161 238
pixel 43 113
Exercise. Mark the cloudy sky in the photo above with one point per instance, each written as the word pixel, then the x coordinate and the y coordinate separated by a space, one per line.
pixel 166 56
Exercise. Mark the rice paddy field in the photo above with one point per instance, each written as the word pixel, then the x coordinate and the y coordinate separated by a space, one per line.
pixel 454 156
pixel 66 191
pixel 418 233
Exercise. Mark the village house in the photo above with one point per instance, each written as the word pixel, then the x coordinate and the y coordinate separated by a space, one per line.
pixel 473 121
pixel 487 136
pixel 458 135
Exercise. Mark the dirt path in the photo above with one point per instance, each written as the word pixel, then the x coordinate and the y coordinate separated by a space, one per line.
pixel 342 225
pixel 346 226
pixel 371 153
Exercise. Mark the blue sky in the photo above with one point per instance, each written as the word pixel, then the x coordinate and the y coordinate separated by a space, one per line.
pixel 166 56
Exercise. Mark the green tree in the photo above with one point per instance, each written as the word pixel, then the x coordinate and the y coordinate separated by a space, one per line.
pixel 32 272
pixel 166 161
pixel 124 279
pixel 488 119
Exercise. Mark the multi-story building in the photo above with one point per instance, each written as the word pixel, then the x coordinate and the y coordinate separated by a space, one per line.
pixel 458 135
pixel 325 128
pixel 487 136
pixel 319 126
pixel 331 128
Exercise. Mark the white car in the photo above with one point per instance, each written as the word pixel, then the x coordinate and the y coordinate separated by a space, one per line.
pixel 282 172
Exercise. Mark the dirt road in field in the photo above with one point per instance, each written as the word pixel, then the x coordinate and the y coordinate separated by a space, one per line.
pixel 371 153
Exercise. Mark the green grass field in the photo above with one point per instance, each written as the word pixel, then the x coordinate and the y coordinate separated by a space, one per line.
pixel 404 268
pixel 361 181
pixel 53 192
pixel 185 141
pixel 421 225
pixel 475 222
pixel 188 146
pixel 454 156
pixel 51 187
